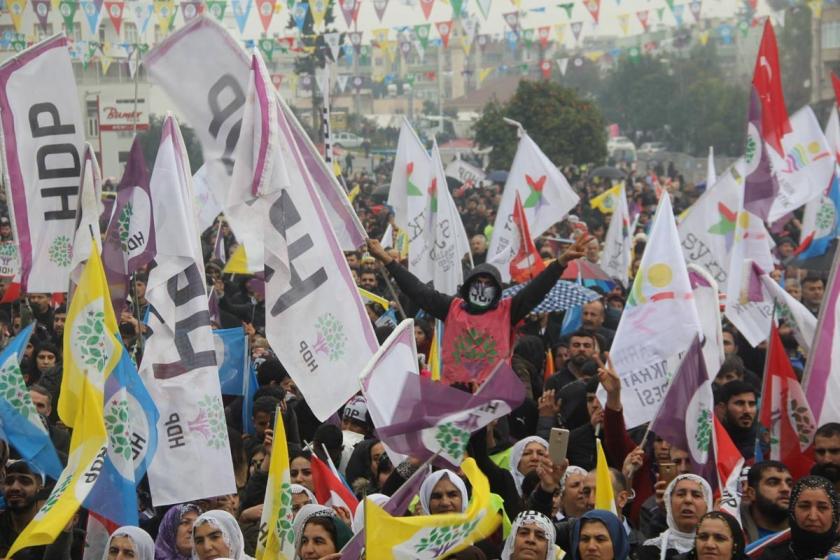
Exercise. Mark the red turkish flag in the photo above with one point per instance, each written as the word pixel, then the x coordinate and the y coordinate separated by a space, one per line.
pixel 785 412
pixel 767 79
pixel 527 263
pixel 835 81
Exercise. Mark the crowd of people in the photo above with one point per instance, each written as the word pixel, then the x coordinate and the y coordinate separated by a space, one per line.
pixel 663 510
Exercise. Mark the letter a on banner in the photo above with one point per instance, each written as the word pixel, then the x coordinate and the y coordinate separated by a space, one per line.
pixel 42 147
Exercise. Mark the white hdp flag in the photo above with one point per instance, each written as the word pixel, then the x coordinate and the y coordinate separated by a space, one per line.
pixel 208 58
pixel 87 213
pixel 546 197
pixel 806 170
pixel 256 171
pixel 615 258
pixel 43 144
pixel 751 243
pixel 445 240
pixel 659 322
pixel 409 193
pixel 308 282
pixel 707 231
pixel 206 204
pixel 179 363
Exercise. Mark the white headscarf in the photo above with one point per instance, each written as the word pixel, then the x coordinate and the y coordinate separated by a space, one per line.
pixel 300 489
pixel 672 537
pixel 530 517
pixel 141 542
pixel 431 481
pixel 516 455
pixel 304 514
pixel 359 516
pixel 231 533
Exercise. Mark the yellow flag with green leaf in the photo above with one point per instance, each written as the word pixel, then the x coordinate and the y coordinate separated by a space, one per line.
pixel 88 447
pixel 276 540
pixel 428 537
pixel 606 201
pixel 604 498
pixel 91 349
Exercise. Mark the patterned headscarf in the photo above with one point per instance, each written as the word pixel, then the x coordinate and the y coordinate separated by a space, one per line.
pixel 312 511
pixel 141 542
pixel 806 544
pixel 165 543
pixel 530 517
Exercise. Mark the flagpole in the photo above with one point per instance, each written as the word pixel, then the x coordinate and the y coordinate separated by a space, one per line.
pixel 140 339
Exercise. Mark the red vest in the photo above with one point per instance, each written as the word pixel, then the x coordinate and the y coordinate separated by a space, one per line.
pixel 474 344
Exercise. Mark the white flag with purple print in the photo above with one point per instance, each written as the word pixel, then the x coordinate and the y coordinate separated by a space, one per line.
pixel 332 338
pixel 43 145
pixel 419 417
pixel 179 362
pixel 213 103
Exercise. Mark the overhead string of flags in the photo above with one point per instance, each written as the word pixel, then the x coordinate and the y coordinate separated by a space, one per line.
pixel 293 219
pixel 561 47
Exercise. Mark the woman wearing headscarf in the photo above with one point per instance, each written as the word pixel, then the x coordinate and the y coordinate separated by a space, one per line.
pixel 532 535
pixel 719 537
pixel 216 534
pixel 129 542
pixel 687 498
pixel 174 538
pixel 301 496
pixel 814 514
pixel 318 532
pixel 525 457
pixel 359 517
pixel 599 535
pixel 443 491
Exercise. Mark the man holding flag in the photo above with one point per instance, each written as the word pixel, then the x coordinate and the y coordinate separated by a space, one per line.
pixel 478 322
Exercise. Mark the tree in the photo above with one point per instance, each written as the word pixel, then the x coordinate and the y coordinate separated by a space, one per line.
pixel 638 94
pixel 150 142
pixel 795 57
pixel 569 129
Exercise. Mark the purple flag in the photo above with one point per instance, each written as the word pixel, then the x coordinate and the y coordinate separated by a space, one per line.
pixel 685 415
pixel 130 239
pixel 429 417
pixel 760 185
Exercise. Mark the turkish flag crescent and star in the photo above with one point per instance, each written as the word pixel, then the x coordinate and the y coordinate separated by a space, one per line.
pixel 767 79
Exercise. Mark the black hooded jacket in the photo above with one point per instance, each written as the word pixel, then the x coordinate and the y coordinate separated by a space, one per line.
pixel 437 304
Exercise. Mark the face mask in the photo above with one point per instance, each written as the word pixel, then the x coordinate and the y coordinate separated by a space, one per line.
pixel 481 295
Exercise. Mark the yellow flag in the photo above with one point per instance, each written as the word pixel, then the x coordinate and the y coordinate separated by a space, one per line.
pixel 351 196
pixel 238 262
pixel 16 8
pixel 88 445
pixel 164 14
pixel 426 537
pixel 483 73
pixel 607 200
pixel 319 11
pixel 276 538
pixel 370 296
pixel 435 365
pixel 91 351
pixel 604 498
